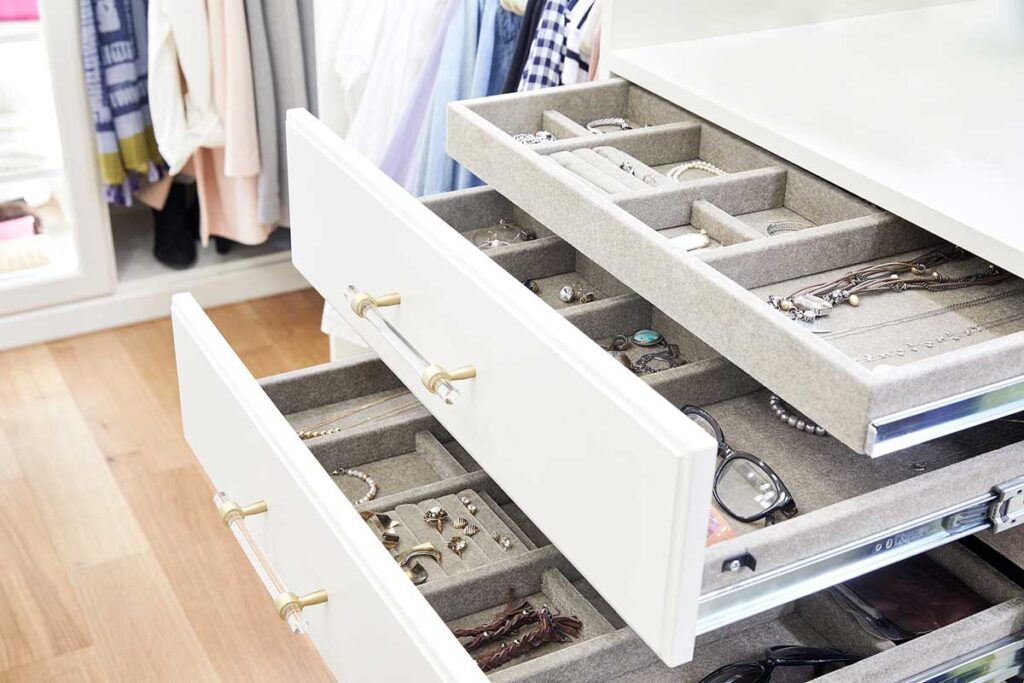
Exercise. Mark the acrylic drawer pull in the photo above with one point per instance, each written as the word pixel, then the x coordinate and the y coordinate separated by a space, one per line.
pixel 289 606
pixel 435 378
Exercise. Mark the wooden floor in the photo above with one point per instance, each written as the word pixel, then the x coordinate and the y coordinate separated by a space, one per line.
pixel 113 565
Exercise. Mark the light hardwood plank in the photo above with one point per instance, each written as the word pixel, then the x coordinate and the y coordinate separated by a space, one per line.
pixel 127 422
pixel 80 666
pixel 8 463
pixel 39 615
pixel 140 631
pixel 78 498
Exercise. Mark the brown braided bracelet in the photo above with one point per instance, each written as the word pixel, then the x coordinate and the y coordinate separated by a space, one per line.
pixel 510 619
pixel 552 628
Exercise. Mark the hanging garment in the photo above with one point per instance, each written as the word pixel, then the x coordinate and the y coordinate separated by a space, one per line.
pixel 226 177
pixel 346 60
pixel 437 171
pixel 397 61
pixel 307 31
pixel 401 160
pixel 268 190
pixel 595 55
pixel 581 23
pixel 499 29
pixel 527 30
pixel 291 85
pixel 116 81
pixel 543 68
pixel 179 50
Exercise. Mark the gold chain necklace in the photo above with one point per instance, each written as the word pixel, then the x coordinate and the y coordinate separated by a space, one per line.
pixel 312 431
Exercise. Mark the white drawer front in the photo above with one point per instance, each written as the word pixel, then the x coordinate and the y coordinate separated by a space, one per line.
pixel 376 625
pixel 616 477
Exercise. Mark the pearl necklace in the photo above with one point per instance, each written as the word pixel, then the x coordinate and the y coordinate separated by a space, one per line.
pixel 371 494
pixel 794 419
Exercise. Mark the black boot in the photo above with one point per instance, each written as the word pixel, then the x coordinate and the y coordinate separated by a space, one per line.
pixel 173 243
pixel 223 244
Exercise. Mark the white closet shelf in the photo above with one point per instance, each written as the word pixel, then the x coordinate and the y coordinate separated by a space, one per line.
pixel 17 31
pixel 145 287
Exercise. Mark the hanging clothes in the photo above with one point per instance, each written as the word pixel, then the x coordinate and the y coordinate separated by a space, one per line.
pixel 437 171
pixel 581 22
pixel 116 83
pixel 528 29
pixel 398 58
pixel 281 82
pixel 268 185
pixel 179 50
pixel 401 160
pixel 307 32
pixel 499 30
pixel 346 60
pixel 543 68
pixel 227 176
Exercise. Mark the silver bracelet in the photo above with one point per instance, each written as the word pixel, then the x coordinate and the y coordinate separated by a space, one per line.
pixel 776 227
pixel 698 164
pixel 617 121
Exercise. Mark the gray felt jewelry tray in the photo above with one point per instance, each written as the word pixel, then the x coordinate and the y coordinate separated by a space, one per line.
pixel 715 293
pixel 842 498
pixel 838 494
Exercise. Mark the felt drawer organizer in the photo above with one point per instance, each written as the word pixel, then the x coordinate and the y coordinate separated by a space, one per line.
pixel 417 466
pixel 467 591
pixel 842 497
pixel 961 352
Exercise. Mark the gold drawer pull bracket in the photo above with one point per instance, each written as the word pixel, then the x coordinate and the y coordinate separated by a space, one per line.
pixel 436 378
pixel 289 606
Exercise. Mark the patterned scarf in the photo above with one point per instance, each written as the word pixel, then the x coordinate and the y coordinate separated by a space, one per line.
pixel 114 56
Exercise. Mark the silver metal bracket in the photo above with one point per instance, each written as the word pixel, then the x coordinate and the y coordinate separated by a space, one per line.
pixel 1007 510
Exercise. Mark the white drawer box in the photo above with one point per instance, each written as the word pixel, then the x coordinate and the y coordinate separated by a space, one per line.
pixel 961 352
pixel 376 626
pixel 565 434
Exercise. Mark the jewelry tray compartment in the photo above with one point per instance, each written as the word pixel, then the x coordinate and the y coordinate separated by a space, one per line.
pixel 624 232
pixel 915 499
pixel 614 99
pixel 468 590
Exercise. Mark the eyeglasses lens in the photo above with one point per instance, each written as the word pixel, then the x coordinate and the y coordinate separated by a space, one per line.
pixel 703 424
pixel 745 488
pixel 742 672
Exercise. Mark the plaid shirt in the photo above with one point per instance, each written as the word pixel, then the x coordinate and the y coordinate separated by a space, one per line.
pixel 543 67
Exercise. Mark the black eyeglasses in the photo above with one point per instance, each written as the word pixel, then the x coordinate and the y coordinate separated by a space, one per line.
pixel 745 486
pixel 760 671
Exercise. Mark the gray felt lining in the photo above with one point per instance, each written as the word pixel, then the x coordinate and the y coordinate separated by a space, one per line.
pixel 561 126
pixel 691 291
pixel 719 224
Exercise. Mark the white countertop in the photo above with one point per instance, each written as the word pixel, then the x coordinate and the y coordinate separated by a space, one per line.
pixel 920 112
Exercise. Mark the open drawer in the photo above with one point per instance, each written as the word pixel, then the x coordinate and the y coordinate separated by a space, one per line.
pixel 575 439
pixel 375 625
pixel 958 362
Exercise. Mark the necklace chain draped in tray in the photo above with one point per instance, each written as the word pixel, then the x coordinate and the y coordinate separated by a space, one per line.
pixel 952 308
pixel 941 339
